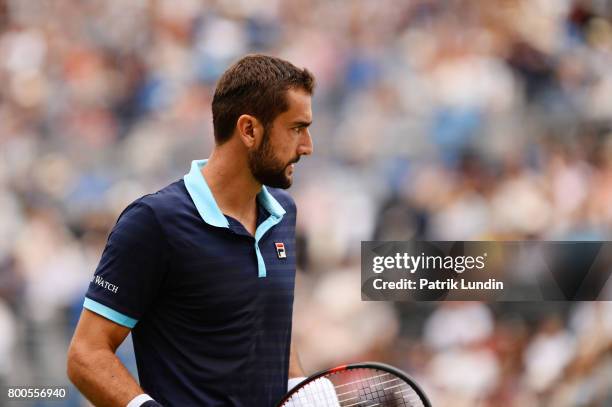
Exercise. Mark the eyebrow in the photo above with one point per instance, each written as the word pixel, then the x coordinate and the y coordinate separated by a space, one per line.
pixel 301 124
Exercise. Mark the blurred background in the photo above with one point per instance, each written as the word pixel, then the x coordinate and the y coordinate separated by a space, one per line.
pixel 439 120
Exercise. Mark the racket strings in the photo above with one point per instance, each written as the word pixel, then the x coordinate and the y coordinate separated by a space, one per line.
pixel 363 387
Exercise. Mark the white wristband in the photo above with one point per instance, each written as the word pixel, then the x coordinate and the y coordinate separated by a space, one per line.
pixel 139 400
pixel 294 381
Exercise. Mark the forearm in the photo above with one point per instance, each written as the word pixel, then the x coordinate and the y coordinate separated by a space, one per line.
pixel 102 378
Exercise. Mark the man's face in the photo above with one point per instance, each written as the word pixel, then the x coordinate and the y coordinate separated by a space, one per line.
pixel 282 145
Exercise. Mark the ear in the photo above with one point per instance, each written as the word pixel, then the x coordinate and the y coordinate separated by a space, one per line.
pixel 250 130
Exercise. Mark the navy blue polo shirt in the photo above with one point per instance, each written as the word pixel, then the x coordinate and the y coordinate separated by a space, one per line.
pixel 209 304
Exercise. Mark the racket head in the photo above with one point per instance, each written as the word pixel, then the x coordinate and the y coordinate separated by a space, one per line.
pixel 366 384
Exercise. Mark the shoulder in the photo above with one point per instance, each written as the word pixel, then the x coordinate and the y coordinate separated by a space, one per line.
pixel 283 198
pixel 151 208
pixel 167 197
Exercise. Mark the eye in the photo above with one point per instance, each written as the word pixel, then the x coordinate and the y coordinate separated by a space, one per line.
pixel 297 130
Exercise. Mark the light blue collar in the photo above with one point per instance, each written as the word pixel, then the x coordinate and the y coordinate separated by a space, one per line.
pixel 207 207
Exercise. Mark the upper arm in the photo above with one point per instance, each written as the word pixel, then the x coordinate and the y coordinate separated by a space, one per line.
pixel 132 269
pixel 125 282
pixel 93 366
pixel 94 332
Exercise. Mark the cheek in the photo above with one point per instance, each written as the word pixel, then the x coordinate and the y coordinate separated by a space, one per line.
pixel 286 149
pixel 283 146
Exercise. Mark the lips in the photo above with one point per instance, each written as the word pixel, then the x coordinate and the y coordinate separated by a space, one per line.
pixel 292 163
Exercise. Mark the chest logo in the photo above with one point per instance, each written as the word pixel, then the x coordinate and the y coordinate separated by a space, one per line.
pixel 280 250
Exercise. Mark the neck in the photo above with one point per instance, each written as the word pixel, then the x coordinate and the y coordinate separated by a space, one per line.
pixel 231 182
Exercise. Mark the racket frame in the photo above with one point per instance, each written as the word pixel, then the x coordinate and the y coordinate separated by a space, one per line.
pixel 362 365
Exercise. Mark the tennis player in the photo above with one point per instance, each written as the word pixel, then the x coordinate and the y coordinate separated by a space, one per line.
pixel 202 272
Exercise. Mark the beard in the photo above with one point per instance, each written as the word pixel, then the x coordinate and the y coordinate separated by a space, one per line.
pixel 267 168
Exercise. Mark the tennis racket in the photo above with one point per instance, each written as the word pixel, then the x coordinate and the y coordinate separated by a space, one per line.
pixel 368 384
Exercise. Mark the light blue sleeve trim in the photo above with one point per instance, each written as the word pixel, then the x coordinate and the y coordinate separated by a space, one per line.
pixel 109 313
pixel 202 196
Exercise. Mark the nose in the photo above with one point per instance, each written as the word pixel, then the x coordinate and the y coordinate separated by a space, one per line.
pixel 305 147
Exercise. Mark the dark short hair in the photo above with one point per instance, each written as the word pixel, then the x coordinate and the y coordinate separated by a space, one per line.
pixel 256 85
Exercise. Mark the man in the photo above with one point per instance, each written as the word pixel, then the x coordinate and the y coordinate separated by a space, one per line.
pixel 202 272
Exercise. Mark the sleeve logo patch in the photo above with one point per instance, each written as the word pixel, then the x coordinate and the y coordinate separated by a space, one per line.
pixel 280 250
pixel 105 284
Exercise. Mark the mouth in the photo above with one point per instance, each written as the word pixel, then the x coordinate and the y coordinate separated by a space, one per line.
pixel 292 163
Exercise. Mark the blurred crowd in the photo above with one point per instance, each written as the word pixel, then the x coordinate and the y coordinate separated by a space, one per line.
pixel 434 119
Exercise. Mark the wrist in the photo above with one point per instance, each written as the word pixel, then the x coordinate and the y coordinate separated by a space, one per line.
pixel 143 400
